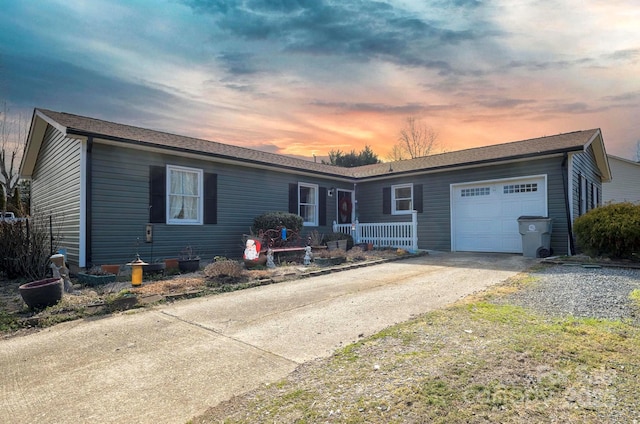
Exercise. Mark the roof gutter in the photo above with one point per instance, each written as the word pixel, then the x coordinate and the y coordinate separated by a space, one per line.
pixel 88 134
pixel 351 178
pixel 467 164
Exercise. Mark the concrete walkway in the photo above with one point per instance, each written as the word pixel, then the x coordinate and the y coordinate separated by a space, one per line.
pixel 168 364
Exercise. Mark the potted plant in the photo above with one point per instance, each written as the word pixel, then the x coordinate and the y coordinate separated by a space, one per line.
pixel 339 241
pixel 95 276
pixel 153 268
pixel 316 240
pixel 188 261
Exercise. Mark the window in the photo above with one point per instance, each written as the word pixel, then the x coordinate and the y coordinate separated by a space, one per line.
pixel 308 203
pixel 402 199
pixel 520 188
pixel 478 191
pixel 184 195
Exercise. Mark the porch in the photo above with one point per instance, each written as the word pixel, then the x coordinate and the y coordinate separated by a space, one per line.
pixel 402 235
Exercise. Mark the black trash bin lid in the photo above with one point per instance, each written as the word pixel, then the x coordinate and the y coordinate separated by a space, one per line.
pixel 532 217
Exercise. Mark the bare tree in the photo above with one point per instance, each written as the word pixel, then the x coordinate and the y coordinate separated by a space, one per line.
pixel 416 139
pixel 13 134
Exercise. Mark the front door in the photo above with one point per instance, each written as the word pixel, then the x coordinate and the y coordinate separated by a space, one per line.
pixel 345 210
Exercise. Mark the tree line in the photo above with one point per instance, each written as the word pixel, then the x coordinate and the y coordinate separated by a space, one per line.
pixel 416 139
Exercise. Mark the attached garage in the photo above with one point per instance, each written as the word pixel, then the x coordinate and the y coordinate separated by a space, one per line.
pixel 484 214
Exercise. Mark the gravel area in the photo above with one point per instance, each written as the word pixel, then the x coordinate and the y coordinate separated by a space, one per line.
pixel 582 291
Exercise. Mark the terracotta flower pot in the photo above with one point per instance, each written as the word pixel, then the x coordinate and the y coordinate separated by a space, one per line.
pixel 171 264
pixel 42 293
pixel 111 269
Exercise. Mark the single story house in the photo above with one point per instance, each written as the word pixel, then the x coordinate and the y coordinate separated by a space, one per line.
pixel 116 190
pixel 625 184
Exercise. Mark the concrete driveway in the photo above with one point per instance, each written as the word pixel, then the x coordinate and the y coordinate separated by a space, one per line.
pixel 170 363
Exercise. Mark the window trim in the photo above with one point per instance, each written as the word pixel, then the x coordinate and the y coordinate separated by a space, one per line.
pixel 395 187
pixel 200 176
pixel 316 190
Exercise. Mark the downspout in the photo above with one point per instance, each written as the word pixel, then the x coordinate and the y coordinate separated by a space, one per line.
pixel 88 202
pixel 565 183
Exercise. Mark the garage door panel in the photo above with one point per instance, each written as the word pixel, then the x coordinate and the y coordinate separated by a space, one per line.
pixel 512 244
pixel 509 226
pixel 479 243
pixel 485 214
pixel 480 226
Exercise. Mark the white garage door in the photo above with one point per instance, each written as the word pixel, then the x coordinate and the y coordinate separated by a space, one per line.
pixel 484 215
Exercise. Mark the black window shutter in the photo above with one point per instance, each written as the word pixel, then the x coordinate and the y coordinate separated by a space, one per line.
pixel 386 200
pixel 580 211
pixel 157 194
pixel 322 206
pixel 293 198
pixel 417 197
pixel 210 198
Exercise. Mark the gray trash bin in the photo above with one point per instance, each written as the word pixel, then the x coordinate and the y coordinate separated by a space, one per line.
pixel 536 236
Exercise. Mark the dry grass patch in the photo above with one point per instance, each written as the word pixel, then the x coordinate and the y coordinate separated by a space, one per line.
pixel 478 361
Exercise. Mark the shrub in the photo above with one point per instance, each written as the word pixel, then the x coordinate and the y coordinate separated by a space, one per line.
pixel 612 230
pixel 273 220
pixel 226 270
pixel 356 254
pixel 25 248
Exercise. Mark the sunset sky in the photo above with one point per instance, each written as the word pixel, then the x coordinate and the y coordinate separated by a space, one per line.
pixel 303 77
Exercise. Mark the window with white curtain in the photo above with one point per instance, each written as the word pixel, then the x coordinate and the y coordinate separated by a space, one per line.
pixel 184 195
pixel 308 203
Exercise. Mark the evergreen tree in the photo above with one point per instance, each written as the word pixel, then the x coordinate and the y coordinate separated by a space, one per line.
pixel 352 159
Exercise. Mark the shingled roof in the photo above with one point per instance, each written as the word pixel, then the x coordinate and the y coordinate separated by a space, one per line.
pixel 80 125
pixel 543 146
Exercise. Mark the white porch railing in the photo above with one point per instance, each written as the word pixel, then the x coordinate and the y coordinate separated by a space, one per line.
pixel 402 235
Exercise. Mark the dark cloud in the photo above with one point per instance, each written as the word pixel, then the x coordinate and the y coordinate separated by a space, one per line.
pixel 501 103
pixel 632 97
pixel 550 64
pixel 409 108
pixel 572 108
pixel 361 30
pixel 244 88
pixel 49 83
pixel 624 55
pixel 238 63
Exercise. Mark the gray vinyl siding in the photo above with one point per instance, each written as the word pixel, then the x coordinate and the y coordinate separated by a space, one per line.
pixel 55 190
pixel 120 186
pixel 434 223
pixel 584 164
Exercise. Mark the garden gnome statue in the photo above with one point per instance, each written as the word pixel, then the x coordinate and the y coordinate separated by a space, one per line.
pixel 307 255
pixel 270 263
pixel 59 270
